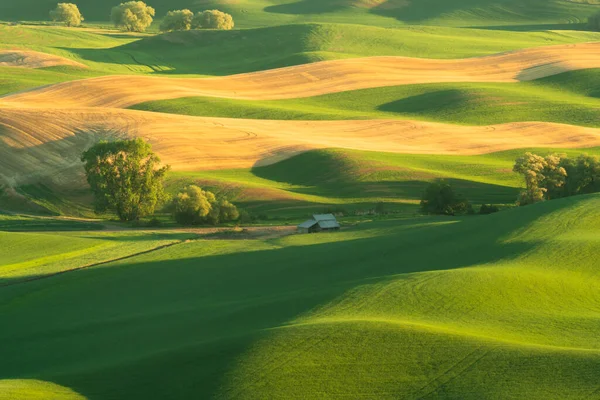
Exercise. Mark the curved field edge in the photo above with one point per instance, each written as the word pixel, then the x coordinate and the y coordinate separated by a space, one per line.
pixel 542 257
pixel 570 97
pixel 316 78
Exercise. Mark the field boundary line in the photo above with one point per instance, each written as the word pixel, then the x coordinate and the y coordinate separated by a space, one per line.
pixel 37 278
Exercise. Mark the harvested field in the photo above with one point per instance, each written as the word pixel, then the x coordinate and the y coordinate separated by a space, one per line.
pixel 34 59
pixel 48 142
pixel 316 78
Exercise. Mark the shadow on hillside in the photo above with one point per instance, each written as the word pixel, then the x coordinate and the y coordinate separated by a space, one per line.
pixel 37 224
pixel 307 7
pixel 419 12
pixel 186 321
pixel 536 27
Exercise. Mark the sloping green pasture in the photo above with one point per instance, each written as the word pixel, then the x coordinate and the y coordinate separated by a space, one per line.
pixel 228 52
pixel 28 255
pixel 357 180
pixel 469 308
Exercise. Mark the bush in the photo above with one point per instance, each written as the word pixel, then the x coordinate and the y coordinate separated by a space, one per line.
pixel 439 198
pixel 212 19
pixel 179 20
pixel 68 13
pixel 488 209
pixel 594 22
pixel 194 206
pixel 133 16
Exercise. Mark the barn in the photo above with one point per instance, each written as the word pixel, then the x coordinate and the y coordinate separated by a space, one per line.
pixel 319 223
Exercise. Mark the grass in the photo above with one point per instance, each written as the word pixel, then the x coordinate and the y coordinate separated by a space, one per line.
pixel 570 98
pixel 203 53
pixel 509 13
pixel 355 181
pixel 448 308
pixel 28 255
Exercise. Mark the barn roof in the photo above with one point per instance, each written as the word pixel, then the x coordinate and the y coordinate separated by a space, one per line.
pixel 328 224
pixel 308 224
pixel 324 217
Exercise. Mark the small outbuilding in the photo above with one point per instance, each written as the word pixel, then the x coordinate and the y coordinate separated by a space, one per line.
pixel 319 223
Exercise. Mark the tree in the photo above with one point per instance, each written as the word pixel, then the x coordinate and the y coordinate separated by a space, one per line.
pixel 132 16
pixel 178 20
pixel 212 19
pixel 594 22
pixel 439 198
pixel 125 176
pixel 544 177
pixel 68 13
pixel 194 206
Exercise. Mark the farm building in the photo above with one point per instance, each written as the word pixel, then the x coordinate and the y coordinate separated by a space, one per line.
pixel 319 223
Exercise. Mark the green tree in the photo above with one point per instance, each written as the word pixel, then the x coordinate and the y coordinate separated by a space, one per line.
pixel 212 19
pixel 544 177
pixel 440 198
pixel 178 20
pixel 132 16
pixel 125 177
pixel 194 206
pixel 67 13
pixel 583 175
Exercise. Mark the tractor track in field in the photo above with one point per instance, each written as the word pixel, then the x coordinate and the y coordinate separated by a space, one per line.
pixel 268 232
pixel 51 275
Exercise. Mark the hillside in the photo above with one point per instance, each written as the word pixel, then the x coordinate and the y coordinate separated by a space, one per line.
pixel 513 14
pixel 343 107
pixel 548 99
pixel 375 309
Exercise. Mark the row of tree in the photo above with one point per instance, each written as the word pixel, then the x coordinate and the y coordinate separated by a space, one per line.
pixel 126 177
pixel 137 16
pixel 546 177
pixel 557 175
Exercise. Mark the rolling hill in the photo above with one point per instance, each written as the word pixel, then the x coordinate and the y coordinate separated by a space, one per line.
pixel 343 106
pixel 513 14
pixel 426 307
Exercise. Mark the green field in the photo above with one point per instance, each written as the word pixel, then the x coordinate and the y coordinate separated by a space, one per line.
pixel 512 14
pixel 395 305
pixel 420 307
pixel 209 53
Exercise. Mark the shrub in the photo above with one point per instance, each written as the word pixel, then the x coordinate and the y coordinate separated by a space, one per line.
pixel 212 19
pixel 439 198
pixel 178 20
pixel 67 13
pixel 488 209
pixel 124 176
pixel 194 206
pixel 132 16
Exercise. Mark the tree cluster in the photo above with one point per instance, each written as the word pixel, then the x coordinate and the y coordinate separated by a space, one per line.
pixel 440 198
pixel 137 16
pixel 556 175
pixel 194 206
pixel 66 13
pixel 183 20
